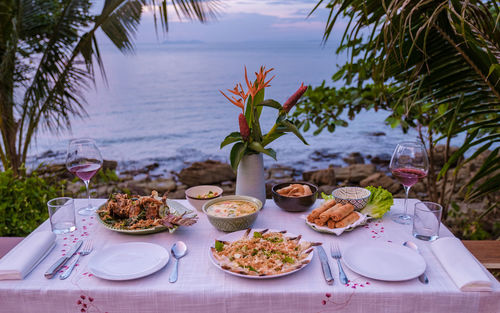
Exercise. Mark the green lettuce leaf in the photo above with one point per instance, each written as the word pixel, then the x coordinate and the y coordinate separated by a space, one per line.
pixel 326 197
pixel 379 203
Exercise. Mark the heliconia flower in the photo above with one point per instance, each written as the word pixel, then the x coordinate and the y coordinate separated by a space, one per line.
pixel 244 129
pixel 294 98
pixel 237 102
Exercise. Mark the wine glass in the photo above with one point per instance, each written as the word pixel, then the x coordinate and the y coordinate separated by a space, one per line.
pixel 84 160
pixel 409 163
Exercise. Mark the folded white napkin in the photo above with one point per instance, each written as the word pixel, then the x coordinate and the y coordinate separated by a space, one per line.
pixel 24 257
pixel 459 263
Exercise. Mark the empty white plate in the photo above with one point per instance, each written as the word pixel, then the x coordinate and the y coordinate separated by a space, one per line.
pixel 384 261
pixel 129 260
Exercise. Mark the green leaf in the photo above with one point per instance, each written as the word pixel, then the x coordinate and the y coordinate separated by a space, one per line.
pixel 232 137
pixel 267 140
pixel 259 148
pixel 219 246
pixel 292 128
pixel 237 153
pixel 270 103
pixel 257 235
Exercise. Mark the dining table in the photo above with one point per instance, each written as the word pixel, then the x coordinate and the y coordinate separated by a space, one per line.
pixel 204 287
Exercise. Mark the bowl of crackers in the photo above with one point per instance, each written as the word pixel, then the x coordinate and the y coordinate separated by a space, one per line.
pixel 356 196
pixel 295 196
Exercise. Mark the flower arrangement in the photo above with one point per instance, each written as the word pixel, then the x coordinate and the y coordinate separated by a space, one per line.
pixel 250 140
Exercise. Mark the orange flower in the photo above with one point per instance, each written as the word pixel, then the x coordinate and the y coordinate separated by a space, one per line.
pixel 237 102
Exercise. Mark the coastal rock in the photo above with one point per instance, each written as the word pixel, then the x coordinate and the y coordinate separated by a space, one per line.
pixel 381 180
pixel 377 134
pixel 323 154
pixel 354 158
pixel 206 173
pixel 382 159
pixel 327 189
pixel 109 165
pixel 354 173
pixel 438 156
pixel 320 177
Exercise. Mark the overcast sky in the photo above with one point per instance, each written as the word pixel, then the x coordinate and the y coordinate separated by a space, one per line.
pixel 245 20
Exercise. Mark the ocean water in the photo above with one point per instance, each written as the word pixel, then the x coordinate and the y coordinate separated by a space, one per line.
pixel 163 105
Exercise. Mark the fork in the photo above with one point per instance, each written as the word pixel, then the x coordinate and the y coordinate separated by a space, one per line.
pixel 335 252
pixel 86 249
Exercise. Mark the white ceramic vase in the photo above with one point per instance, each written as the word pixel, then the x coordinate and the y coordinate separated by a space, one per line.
pixel 250 177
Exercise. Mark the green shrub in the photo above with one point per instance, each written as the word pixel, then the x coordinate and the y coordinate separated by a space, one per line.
pixel 23 203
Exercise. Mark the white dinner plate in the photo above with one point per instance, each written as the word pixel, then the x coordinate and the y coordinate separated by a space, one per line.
pixel 129 260
pixel 238 235
pixel 384 261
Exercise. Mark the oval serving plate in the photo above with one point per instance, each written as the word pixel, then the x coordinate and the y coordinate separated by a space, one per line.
pixel 338 231
pixel 173 205
pixel 238 235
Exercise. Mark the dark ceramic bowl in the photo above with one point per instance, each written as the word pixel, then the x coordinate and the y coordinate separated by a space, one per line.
pixel 295 204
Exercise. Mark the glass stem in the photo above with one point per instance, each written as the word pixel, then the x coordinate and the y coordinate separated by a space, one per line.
pixel 407 191
pixel 86 182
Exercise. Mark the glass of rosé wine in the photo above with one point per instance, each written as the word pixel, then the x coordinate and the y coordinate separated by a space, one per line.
pixel 84 160
pixel 409 164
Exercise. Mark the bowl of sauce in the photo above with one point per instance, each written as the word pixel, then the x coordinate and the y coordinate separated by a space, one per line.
pixel 232 213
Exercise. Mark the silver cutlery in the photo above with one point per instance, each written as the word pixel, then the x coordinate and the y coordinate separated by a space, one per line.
pixel 324 265
pixel 178 250
pixel 335 252
pixel 86 249
pixel 422 278
pixel 52 271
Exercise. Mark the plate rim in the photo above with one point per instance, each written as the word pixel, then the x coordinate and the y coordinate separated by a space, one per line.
pixel 145 231
pixel 346 259
pixel 214 261
pixel 162 263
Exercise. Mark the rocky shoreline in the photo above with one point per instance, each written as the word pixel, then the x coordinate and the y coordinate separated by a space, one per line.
pixel 361 170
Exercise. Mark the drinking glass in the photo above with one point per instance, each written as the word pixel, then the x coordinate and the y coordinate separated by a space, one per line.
pixel 62 215
pixel 84 160
pixel 426 220
pixel 409 163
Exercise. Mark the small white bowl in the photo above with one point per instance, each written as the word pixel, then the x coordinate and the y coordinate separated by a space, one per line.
pixel 193 193
pixel 356 196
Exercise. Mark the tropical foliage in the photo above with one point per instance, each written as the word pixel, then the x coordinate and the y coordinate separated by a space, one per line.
pixel 434 65
pixel 48 55
pixel 24 203
pixel 250 140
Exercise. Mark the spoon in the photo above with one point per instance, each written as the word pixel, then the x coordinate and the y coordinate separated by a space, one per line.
pixel 178 250
pixel 423 278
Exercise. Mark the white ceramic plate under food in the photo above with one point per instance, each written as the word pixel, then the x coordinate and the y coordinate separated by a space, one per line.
pixel 384 261
pixel 128 260
pixel 338 231
pixel 238 235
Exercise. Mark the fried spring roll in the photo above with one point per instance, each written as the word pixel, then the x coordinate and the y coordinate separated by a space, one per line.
pixel 319 222
pixel 322 208
pixel 329 213
pixel 348 220
pixel 342 212
pixel 330 223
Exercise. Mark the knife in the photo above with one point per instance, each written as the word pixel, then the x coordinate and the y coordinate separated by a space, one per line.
pixel 51 272
pixel 324 265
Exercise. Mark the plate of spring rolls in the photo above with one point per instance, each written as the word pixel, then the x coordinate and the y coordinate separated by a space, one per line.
pixel 335 218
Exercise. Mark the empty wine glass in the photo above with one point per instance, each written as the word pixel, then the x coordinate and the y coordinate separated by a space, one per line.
pixel 84 160
pixel 409 163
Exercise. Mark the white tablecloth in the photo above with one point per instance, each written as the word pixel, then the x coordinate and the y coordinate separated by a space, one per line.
pixel 204 288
